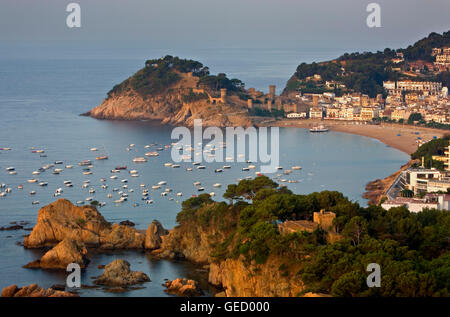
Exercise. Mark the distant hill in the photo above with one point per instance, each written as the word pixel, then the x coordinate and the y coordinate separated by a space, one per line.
pixel 365 72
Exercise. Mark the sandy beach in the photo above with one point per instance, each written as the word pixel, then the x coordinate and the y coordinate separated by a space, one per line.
pixel 401 137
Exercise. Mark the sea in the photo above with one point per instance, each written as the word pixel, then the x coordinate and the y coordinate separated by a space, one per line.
pixel 41 100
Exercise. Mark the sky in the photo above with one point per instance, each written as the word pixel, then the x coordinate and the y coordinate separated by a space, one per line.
pixel 38 27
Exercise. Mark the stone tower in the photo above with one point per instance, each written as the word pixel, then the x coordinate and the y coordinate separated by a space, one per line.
pixel 272 92
pixel 223 94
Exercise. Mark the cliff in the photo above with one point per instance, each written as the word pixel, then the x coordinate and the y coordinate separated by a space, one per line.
pixel 175 91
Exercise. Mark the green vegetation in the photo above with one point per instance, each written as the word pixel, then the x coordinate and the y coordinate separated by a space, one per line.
pixel 413 249
pixel 422 48
pixel 192 97
pixel 433 147
pixel 259 112
pixel 365 72
pixel 159 75
pixel 219 81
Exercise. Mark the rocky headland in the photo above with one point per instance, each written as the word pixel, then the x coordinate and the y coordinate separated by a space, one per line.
pixel 176 91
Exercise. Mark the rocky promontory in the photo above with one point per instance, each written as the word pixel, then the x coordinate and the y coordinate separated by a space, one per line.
pixel 176 91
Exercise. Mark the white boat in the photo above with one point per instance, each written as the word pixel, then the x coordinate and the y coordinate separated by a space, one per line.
pixel 217 185
pixel 168 164
pixel 89 198
pixel 91 191
pixel 94 149
pixel 134 172
pixel 245 169
pixel 179 194
pixel 36 202
pixel 196 183
pixel 296 168
pixel 162 183
pixel 212 194
pixel 9 169
pixel 113 177
pixel 251 167
pixel 175 166
pixel 200 189
pixel 85 163
pixel 87 173
pixel 201 167
pixel 139 160
pixel 189 169
pixel 152 154
pixel 42 184
pixel 124 180
pixel 32 192
pixel 226 167
pixel 80 202
pixel 36 173
pixel 320 128
pixel 156 187
pixel 3 194
pixel 134 175
pixel 69 166
pixel 13 173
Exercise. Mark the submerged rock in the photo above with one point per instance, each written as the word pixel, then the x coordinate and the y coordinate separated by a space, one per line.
pixel 153 235
pixel 118 273
pixel 66 252
pixel 183 287
pixel 34 290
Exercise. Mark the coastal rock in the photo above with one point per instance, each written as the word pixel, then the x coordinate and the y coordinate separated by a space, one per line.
pixel 170 107
pixel 63 220
pixel 241 279
pixel 118 273
pixel 127 223
pixel 66 252
pixel 121 237
pixel 183 287
pixel 13 227
pixel 153 235
pixel 34 290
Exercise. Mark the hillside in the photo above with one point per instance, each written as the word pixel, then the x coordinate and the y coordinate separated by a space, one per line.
pixel 253 245
pixel 365 72
pixel 176 91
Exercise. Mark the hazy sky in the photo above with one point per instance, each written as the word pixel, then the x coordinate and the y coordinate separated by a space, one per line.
pixel 40 25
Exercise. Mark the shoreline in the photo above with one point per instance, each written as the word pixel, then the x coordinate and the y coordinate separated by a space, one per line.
pixel 387 133
pixel 398 136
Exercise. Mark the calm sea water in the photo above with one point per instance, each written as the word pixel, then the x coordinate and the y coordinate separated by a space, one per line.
pixel 40 103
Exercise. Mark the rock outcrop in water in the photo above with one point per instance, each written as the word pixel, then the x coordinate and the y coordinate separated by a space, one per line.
pixel 183 287
pixel 153 235
pixel 66 252
pixel 63 220
pixel 34 290
pixel 118 273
